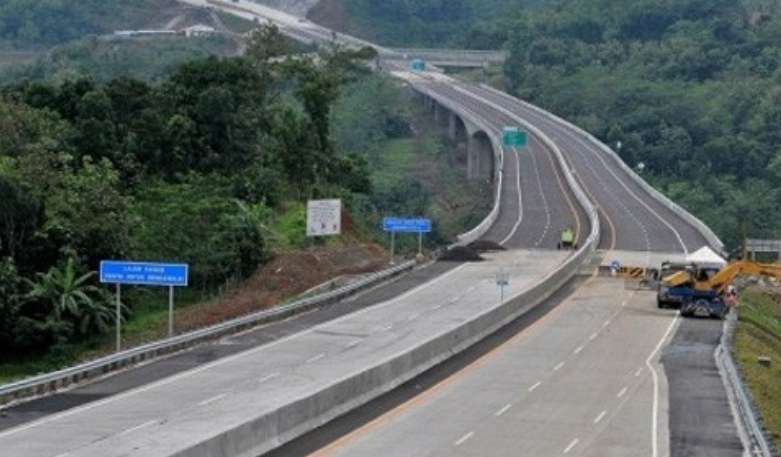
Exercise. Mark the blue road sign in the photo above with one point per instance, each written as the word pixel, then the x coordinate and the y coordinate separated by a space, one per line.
pixel 615 265
pixel 418 65
pixel 144 273
pixel 394 224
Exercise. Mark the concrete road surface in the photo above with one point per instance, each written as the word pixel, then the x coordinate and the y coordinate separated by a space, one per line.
pixel 177 412
pixel 584 380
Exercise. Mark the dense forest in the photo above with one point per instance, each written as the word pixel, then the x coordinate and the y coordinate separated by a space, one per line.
pixel 44 23
pixel 689 89
pixel 196 169
pixel 688 92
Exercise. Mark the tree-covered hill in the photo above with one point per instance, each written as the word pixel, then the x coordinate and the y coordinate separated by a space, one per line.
pixel 690 89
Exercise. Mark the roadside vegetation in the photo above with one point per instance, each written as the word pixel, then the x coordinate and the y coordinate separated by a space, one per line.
pixel 207 161
pixel 199 168
pixel 759 335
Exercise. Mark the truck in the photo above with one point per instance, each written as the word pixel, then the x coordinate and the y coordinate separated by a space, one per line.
pixel 702 290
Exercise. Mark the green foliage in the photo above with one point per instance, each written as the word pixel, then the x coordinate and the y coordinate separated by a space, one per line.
pixel 191 169
pixel 689 88
pixel 70 299
pixel 148 59
pixel 434 23
pixel 197 222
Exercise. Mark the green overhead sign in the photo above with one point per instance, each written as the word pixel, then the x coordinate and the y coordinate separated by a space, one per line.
pixel 513 137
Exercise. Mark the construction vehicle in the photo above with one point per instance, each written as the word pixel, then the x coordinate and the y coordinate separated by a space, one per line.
pixel 701 290
pixel 567 239
pixel 664 297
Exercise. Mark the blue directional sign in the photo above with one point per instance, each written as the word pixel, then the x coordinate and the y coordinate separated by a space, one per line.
pixel 144 273
pixel 395 224
pixel 418 65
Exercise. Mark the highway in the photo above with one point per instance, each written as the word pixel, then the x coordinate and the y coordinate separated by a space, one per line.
pixel 581 378
pixel 634 221
pixel 181 411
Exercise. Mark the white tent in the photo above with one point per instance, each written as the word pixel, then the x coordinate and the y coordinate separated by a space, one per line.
pixel 706 257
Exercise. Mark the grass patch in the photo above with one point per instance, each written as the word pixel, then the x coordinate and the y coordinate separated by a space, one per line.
pixel 759 334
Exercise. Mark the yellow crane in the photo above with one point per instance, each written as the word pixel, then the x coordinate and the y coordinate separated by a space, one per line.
pixel 702 290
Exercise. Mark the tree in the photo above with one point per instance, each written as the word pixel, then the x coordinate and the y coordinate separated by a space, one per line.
pixel 70 298
pixel 21 215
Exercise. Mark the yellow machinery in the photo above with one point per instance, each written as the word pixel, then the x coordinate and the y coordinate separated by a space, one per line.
pixel 701 290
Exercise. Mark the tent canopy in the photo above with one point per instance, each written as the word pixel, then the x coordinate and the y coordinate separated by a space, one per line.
pixel 706 256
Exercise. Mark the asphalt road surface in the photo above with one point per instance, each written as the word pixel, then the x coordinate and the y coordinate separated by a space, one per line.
pixel 639 221
pixel 581 380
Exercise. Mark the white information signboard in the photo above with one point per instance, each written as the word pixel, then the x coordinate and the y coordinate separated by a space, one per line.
pixel 324 218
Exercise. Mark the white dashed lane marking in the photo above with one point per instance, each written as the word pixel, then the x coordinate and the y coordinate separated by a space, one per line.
pixel 464 438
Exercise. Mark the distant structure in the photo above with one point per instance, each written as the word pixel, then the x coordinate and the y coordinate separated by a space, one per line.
pixel 763 250
pixel 199 30
pixel 138 33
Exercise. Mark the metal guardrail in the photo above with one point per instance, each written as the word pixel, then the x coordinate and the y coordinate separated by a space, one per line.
pixel 50 382
pixel 752 432
pixel 706 231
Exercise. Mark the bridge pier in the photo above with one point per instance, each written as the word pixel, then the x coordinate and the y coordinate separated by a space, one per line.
pixel 479 149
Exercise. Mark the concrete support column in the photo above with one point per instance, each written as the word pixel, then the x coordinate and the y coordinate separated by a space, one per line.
pixel 452 127
pixel 438 112
pixel 472 158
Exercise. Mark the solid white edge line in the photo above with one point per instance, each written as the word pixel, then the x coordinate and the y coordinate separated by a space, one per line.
pixel 655 377
pixel 520 200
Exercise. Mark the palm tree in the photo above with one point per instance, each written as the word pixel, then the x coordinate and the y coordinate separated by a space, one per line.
pixel 73 299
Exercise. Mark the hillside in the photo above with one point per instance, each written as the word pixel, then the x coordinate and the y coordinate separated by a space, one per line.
pixel 430 23
pixel 53 40
pixel 686 90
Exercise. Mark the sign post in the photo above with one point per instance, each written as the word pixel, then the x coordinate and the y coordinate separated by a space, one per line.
pixel 143 274
pixel 119 318
pixel 395 224
pixel 502 280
